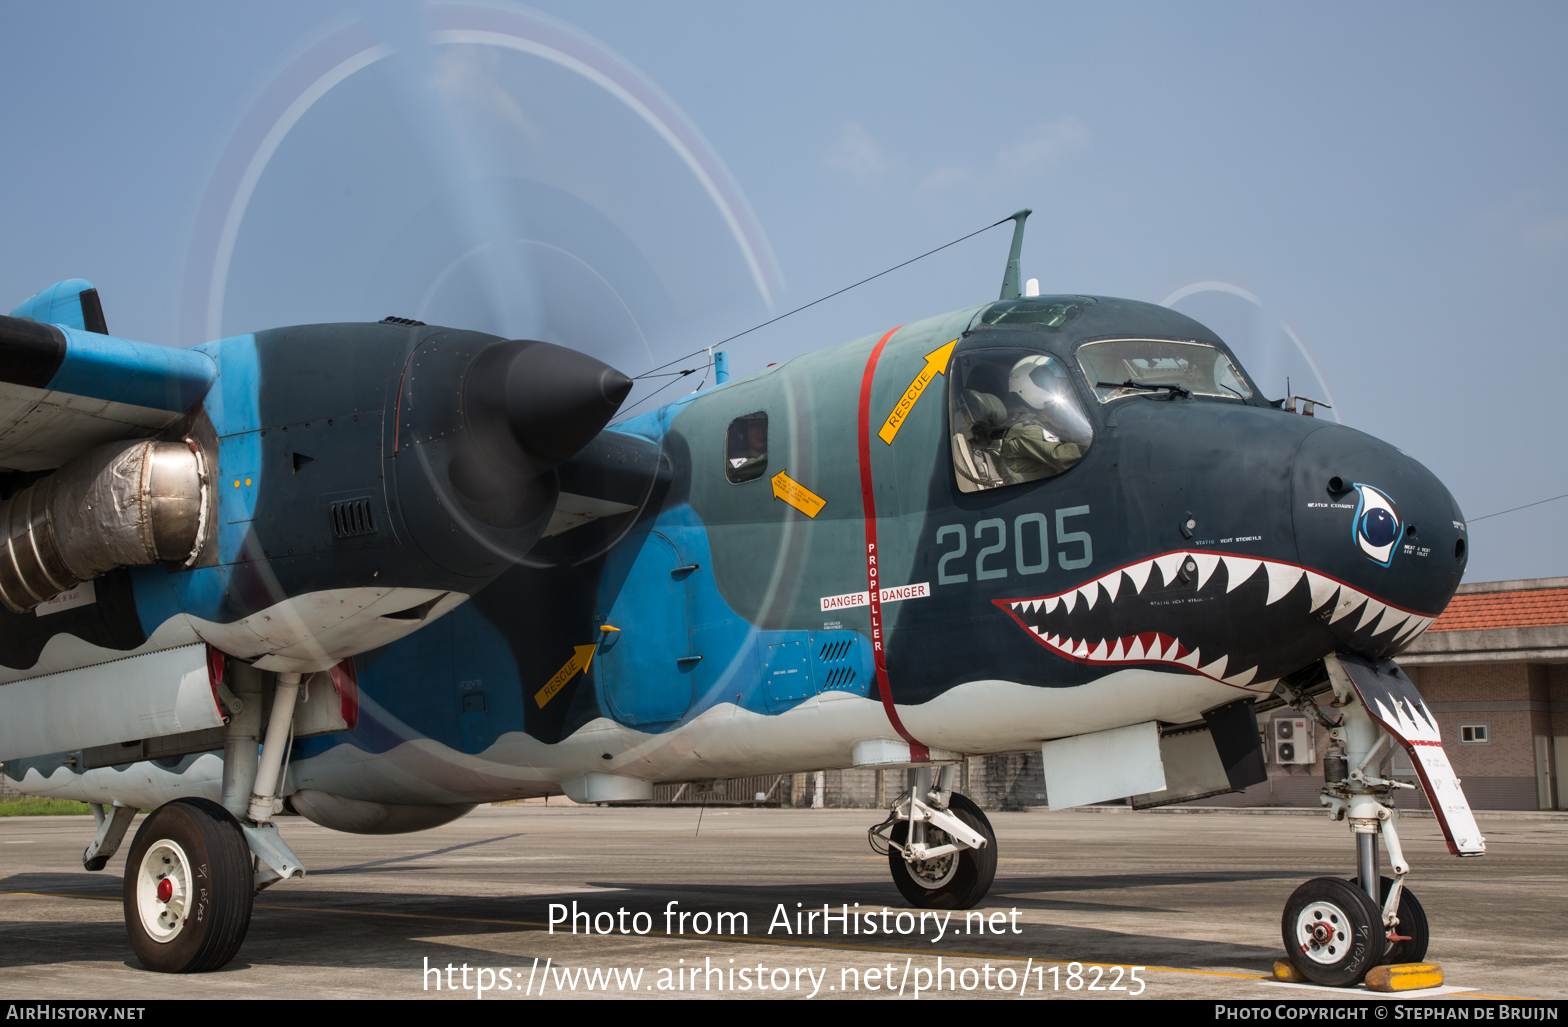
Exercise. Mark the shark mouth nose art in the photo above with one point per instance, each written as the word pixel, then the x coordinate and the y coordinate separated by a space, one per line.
pixel 1219 616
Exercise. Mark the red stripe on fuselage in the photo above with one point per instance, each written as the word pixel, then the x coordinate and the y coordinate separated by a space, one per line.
pixel 917 750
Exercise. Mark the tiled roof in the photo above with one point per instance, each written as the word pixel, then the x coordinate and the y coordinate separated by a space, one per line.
pixel 1482 610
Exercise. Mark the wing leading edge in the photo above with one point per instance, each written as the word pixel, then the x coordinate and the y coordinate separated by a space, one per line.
pixel 66 386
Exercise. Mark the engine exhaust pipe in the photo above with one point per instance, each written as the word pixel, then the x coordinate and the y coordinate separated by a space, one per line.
pixel 119 505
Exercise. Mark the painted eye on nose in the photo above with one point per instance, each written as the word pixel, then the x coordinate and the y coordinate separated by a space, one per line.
pixel 1377 525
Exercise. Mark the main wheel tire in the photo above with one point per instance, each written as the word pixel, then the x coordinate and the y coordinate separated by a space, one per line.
pixel 1333 932
pixel 1413 930
pixel 958 880
pixel 188 887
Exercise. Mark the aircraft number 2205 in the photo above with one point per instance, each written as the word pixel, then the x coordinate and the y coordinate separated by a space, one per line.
pixel 1031 544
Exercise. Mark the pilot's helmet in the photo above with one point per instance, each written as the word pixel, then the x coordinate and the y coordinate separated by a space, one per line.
pixel 1037 380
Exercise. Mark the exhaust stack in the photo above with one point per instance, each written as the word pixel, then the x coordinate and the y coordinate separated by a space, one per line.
pixel 120 505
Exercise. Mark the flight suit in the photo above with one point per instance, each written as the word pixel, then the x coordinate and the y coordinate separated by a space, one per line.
pixel 1029 453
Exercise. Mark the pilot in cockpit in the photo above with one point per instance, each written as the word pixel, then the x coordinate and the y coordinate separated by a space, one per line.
pixel 1031 435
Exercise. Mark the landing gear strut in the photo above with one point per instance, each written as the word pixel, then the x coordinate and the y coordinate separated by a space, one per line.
pixel 940 847
pixel 195 867
pixel 1334 930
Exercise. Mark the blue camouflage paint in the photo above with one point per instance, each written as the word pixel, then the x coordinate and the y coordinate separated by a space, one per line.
pixel 233 409
pixel 423 678
pixel 655 424
pixel 135 373
pixel 60 304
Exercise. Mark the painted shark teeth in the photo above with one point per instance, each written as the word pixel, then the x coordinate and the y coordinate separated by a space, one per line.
pixel 1349 602
pixel 1331 599
pixel 1322 590
pixel 1138 574
pixel 1370 612
pixel 1169 565
pixel 1282 580
pixel 1238 569
pixel 1149 647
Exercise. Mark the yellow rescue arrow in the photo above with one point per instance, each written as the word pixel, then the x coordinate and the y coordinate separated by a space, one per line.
pixel 797 495
pixel 936 363
pixel 582 656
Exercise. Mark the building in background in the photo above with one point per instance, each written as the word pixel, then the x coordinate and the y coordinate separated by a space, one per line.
pixel 1494 668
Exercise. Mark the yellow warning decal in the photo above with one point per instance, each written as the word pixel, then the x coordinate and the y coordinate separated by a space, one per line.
pixel 936 363
pixel 581 657
pixel 797 495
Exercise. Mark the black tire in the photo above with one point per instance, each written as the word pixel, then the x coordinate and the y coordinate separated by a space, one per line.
pixel 1412 926
pixel 1333 932
pixel 968 883
pixel 188 887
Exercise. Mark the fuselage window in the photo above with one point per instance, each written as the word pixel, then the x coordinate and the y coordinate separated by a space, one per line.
pixel 746 448
pixel 1139 367
pixel 1014 418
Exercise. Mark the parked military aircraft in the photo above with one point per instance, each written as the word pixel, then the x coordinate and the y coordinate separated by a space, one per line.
pixel 375 574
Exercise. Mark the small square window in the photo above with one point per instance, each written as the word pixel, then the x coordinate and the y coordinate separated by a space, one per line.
pixel 746 448
pixel 1475 734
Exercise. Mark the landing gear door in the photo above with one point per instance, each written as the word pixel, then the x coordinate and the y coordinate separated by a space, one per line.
pixel 1392 700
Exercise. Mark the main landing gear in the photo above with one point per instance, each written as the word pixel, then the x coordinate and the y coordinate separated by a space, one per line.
pixel 940 847
pixel 195 866
pixel 188 887
pixel 1336 930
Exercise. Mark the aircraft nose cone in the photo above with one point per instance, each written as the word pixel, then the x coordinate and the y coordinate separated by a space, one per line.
pixel 1380 524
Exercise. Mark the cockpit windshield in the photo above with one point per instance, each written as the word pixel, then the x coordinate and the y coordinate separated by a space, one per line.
pixel 1138 367
pixel 1015 418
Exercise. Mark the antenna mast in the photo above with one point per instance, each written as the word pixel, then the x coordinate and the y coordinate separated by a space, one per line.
pixel 1012 279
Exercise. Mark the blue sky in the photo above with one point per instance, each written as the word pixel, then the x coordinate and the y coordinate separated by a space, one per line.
pixel 1387 180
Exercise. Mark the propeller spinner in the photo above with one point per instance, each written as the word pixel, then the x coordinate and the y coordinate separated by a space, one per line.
pixel 488 422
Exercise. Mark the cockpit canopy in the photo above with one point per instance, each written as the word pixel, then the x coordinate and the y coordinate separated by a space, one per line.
pixel 1118 368
pixel 1018 413
pixel 1015 418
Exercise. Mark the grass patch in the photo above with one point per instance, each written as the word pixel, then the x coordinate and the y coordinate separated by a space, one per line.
pixel 32 806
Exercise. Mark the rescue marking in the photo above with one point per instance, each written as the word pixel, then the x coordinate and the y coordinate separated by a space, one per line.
pixel 850 600
pixel 796 494
pixel 582 656
pixel 936 363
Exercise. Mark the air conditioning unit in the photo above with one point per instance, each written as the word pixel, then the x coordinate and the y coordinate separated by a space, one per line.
pixel 1292 740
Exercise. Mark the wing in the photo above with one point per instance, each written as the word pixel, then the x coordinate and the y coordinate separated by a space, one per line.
pixel 67 386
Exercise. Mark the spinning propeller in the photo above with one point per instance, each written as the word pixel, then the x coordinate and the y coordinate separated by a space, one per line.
pixel 585 250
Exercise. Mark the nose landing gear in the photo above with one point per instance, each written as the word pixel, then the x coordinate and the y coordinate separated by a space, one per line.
pixel 1335 931
pixel 940 847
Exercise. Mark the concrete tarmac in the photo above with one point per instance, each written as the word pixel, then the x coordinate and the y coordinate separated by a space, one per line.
pixel 1193 899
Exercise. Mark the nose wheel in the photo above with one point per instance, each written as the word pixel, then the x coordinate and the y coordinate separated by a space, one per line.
pixel 1407 940
pixel 1333 931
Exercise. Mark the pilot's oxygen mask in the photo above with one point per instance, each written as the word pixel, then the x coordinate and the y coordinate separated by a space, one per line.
pixel 1015 418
